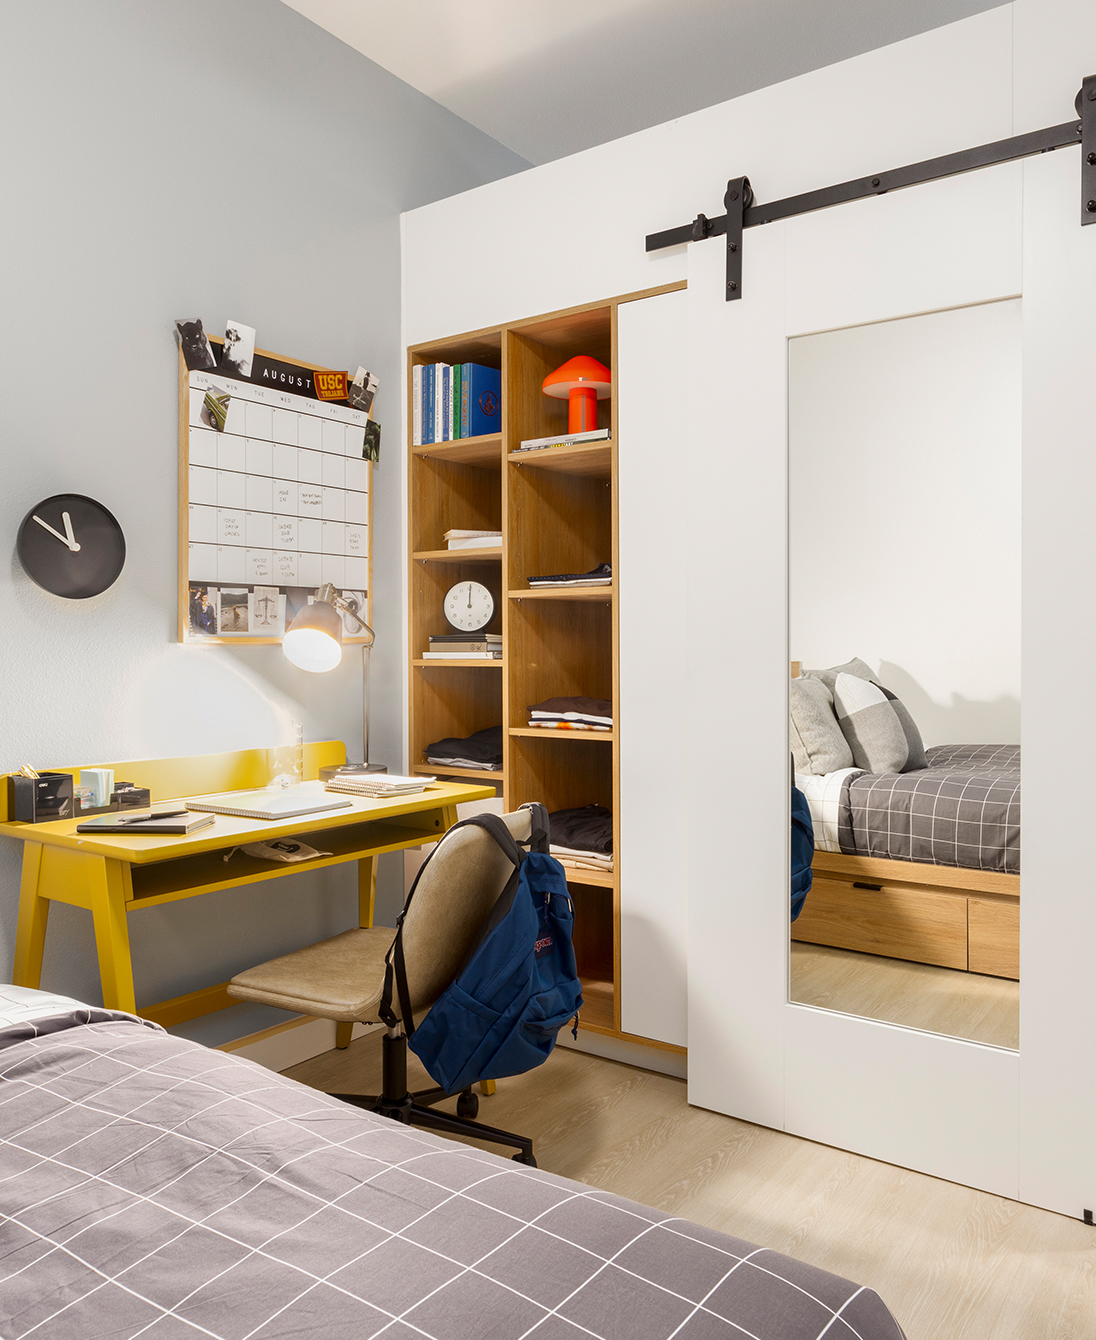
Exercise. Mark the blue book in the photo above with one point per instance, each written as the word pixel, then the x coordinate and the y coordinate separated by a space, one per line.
pixel 428 404
pixel 465 375
pixel 484 398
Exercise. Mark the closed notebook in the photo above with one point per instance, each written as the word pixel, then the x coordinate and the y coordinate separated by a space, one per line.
pixel 137 824
pixel 270 805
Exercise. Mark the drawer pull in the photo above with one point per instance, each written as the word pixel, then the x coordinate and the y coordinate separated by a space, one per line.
pixel 875 888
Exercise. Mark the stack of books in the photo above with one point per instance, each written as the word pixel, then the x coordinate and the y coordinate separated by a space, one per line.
pixel 474 646
pixel 377 785
pixel 473 539
pixel 566 440
pixel 450 402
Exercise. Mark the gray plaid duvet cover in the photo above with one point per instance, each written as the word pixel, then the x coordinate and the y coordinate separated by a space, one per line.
pixel 151 1187
pixel 963 809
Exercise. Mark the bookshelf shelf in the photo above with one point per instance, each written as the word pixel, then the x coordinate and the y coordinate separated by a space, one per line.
pixel 602 593
pixel 595 461
pixel 457 556
pixel 458 662
pixel 572 736
pixel 596 879
pixel 485 450
pixel 472 774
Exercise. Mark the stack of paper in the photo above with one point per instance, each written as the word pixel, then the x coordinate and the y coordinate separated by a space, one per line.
pixel 377 785
pixel 473 539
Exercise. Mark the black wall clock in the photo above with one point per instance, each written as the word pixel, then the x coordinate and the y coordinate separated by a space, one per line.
pixel 72 546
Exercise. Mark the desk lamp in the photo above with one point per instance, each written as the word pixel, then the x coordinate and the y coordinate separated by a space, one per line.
pixel 313 641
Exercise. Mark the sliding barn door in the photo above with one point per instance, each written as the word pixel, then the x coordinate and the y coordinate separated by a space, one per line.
pixel 917 1099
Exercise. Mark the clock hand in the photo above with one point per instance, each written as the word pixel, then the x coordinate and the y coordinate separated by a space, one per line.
pixel 68 531
pixel 469 595
pixel 55 533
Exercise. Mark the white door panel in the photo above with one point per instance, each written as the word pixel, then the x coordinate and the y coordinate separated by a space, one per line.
pixel 933 1103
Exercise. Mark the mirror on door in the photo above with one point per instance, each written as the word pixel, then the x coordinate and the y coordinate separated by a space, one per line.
pixel 904 693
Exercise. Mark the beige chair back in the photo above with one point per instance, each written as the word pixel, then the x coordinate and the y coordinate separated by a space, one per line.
pixel 454 897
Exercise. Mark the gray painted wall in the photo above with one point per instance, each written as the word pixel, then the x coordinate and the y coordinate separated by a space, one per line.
pixel 189 157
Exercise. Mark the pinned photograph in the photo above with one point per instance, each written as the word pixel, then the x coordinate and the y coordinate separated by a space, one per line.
pixel 297 598
pixel 266 612
pixel 203 611
pixel 215 408
pixel 197 354
pixel 362 390
pixel 232 611
pixel 371 450
pixel 359 605
pixel 239 351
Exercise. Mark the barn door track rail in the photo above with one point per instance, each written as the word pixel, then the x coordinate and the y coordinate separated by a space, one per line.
pixel 743 213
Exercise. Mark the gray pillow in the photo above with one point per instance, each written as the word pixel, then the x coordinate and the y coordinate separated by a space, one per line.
pixel 870 724
pixel 915 746
pixel 818 745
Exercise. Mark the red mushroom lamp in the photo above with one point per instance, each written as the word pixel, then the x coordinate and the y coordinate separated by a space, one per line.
pixel 582 382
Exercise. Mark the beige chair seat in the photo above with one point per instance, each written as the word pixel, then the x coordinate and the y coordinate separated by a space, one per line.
pixel 341 978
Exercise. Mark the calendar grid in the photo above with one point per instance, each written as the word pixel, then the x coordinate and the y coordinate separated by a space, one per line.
pixel 281 498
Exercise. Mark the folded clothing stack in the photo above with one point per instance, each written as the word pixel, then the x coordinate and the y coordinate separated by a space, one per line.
pixel 482 750
pixel 602 575
pixel 572 714
pixel 583 838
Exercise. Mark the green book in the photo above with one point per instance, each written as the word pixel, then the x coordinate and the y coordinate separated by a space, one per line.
pixel 456 375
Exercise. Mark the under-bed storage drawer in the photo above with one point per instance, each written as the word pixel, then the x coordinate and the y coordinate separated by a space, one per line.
pixel 993 928
pixel 897 923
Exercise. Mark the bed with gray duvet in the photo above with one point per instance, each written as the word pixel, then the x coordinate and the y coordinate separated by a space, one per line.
pixel 152 1187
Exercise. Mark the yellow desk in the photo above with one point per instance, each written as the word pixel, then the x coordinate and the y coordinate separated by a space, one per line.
pixel 113 874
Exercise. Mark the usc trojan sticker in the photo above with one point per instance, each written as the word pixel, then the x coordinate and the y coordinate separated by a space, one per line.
pixel 330 385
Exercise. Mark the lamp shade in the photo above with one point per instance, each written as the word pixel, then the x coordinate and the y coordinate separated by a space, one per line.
pixel 581 381
pixel 313 641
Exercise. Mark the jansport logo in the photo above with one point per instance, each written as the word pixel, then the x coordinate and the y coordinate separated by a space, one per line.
pixel 542 946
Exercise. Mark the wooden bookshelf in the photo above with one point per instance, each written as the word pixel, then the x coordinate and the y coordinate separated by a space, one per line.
pixel 556 509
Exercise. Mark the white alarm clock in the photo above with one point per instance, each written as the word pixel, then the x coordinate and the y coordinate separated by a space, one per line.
pixel 469 606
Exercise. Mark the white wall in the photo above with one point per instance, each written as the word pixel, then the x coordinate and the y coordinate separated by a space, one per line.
pixel 904 512
pixel 176 159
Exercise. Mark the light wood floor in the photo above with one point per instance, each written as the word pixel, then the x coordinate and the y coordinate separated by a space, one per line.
pixel 951 1263
pixel 916 995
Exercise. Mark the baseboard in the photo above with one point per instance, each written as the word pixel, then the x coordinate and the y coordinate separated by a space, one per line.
pixel 630 1053
pixel 290 1043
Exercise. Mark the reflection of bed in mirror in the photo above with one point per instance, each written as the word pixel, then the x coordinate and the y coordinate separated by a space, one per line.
pixel 922 864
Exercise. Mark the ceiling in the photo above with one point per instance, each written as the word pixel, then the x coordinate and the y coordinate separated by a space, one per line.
pixel 548 78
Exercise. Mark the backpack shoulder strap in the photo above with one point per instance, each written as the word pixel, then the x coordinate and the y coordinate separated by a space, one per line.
pixel 541 829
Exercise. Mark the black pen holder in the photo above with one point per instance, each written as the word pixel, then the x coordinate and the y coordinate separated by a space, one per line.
pixel 38 800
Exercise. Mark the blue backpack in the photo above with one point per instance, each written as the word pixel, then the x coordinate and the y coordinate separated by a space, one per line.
pixel 802 851
pixel 518 986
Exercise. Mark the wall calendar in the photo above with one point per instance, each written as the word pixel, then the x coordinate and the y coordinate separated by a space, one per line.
pixel 273 504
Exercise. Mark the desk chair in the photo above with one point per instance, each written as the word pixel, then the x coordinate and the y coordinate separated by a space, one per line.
pixel 343 978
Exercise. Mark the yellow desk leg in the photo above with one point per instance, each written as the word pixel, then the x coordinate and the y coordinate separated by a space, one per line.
pixel 487 1087
pixel 30 937
pixel 108 910
pixel 343 1033
pixel 367 889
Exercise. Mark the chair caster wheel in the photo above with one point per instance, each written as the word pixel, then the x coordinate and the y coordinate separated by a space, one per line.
pixel 467 1105
pixel 527 1159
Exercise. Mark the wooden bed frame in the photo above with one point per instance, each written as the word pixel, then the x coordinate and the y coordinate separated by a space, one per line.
pixel 941 914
